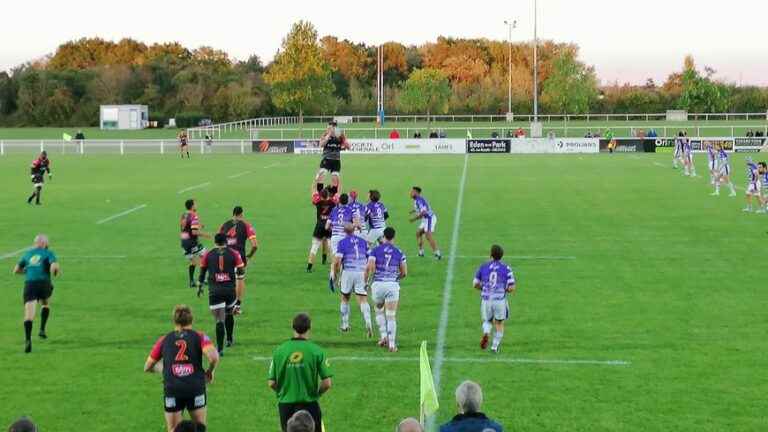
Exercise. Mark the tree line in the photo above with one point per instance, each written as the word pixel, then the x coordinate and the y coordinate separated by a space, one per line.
pixel 311 75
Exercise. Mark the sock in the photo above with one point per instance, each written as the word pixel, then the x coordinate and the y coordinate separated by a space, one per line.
pixel 381 321
pixel 344 315
pixel 44 314
pixel 28 330
pixel 497 339
pixel 325 258
pixel 717 187
pixel 421 250
pixel 229 324
pixel 365 309
pixel 191 273
pixel 486 328
pixel 392 332
pixel 220 335
pixel 309 266
pixel 733 189
pixel 31 197
pixel 437 252
pixel 37 196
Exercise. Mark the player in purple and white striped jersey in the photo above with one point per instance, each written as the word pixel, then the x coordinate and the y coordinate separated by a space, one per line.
pixel 688 162
pixel 723 174
pixel 352 258
pixel 358 210
pixel 341 215
pixel 495 280
pixel 677 157
pixel 422 211
pixel 753 184
pixel 711 162
pixel 762 169
pixel 376 215
pixel 387 267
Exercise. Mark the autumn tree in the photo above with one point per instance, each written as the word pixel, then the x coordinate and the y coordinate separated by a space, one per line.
pixel 427 90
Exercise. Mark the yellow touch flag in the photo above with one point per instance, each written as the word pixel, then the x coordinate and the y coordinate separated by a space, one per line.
pixel 66 137
pixel 428 399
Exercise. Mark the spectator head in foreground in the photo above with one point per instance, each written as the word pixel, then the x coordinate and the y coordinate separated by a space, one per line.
pixel 189 426
pixel 409 425
pixel 301 421
pixel 302 324
pixel 23 424
pixel 469 401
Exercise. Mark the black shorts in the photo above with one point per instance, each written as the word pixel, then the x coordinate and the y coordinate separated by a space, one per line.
pixel 320 232
pixel 174 404
pixel 288 410
pixel 38 179
pixel 332 165
pixel 192 248
pixel 37 290
pixel 221 297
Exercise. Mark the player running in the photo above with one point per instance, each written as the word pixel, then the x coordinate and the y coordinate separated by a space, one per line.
pixel 753 184
pixel 324 201
pixel 332 143
pixel 723 174
pixel 190 234
pixel 495 280
pixel 239 232
pixel 184 144
pixel 226 283
pixel 352 257
pixel 341 215
pixel 376 215
pixel 423 212
pixel 179 355
pixel 37 171
pixel 37 265
pixel 387 266
pixel 688 161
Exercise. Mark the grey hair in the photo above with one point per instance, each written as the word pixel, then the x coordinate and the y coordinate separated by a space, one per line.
pixel 409 424
pixel 41 240
pixel 469 397
pixel 301 421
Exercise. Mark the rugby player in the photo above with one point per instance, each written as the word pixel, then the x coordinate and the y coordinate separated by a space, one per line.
pixel 763 170
pixel 238 232
pixel 333 142
pixel 711 163
pixel 37 171
pixel 495 280
pixel 226 282
pixel 677 156
pixel 753 184
pixel 723 174
pixel 358 210
pixel 179 355
pixel 422 211
pixel 340 215
pixel 387 267
pixel 37 265
pixel 190 234
pixel 688 162
pixel 184 144
pixel 376 214
pixel 324 202
pixel 351 257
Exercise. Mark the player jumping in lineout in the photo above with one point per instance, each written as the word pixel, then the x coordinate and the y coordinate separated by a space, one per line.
pixel 37 172
pixel 495 280
pixel 332 143
pixel 352 257
pixel 422 211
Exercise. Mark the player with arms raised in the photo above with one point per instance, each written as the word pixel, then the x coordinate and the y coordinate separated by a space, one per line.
pixel 376 214
pixel 324 202
pixel 422 211
pixel 226 284
pixel 184 144
pixel 332 142
pixel 179 355
pixel 387 266
pixel 351 257
pixel 190 238
pixel 495 280
pixel 37 171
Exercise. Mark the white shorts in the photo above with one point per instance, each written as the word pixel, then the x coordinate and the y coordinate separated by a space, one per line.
pixel 428 224
pixel 494 310
pixel 712 165
pixel 374 234
pixel 353 281
pixel 724 170
pixel 753 188
pixel 334 243
pixel 678 152
pixel 385 292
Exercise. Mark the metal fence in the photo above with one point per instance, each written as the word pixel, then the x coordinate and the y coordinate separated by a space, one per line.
pixel 121 147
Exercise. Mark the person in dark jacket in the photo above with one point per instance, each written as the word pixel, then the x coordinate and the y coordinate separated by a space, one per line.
pixel 469 399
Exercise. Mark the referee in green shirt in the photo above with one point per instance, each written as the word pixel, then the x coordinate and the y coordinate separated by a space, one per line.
pixel 37 265
pixel 299 373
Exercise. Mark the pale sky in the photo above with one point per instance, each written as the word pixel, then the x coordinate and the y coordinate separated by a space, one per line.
pixel 625 40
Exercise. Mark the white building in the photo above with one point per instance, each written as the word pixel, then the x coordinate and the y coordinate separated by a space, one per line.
pixel 124 117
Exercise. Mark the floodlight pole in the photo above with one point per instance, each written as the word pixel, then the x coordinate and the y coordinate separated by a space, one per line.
pixel 511 25
pixel 535 61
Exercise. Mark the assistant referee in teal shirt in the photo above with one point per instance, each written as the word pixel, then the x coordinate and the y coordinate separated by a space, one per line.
pixel 37 265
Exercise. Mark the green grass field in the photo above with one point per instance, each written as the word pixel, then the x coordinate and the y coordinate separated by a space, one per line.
pixel 713 128
pixel 617 257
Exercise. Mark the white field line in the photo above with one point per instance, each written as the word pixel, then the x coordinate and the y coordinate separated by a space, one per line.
pixel 14 253
pixel 659 164
pixel 444 312
pixel 201 185
pixel 276 164
pixel 94 257
pixel 121 214
pixel 245 173
pixel 522 257
pixel 466 360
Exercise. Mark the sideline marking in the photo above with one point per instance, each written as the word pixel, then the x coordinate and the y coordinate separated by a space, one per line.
pixel 240 174
pixel 201 185
pixel 14 253
pixel 575 362
pixel 522 257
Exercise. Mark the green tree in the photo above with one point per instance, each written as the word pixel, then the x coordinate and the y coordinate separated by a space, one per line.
pixel 300 76
pixel 700 93
pixel 426 90
pixel 571 87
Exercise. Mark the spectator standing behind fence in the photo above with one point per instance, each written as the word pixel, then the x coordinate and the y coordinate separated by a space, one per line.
pixel 80 136
pixel 394 134
pixel 299 373
pixel 469 400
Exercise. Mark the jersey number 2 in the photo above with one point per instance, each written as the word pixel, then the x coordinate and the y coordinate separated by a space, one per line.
pixel 181 355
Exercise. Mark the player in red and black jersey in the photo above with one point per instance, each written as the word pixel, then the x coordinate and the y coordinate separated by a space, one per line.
pixel 179 355
pixel 190 238
pixel 37 171
pixel 184 144
pixel 226 282
pixel 239 232
pixel 324 201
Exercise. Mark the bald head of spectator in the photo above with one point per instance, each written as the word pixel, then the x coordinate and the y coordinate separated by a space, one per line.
pixel 23 424
pixel 410 425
